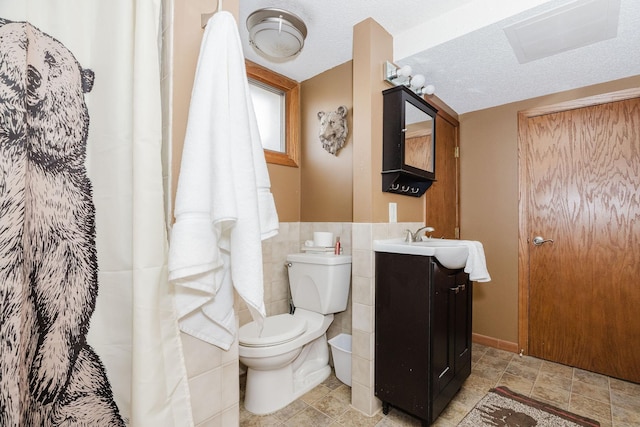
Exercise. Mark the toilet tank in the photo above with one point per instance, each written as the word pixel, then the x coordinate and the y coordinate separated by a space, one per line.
pixel 319 282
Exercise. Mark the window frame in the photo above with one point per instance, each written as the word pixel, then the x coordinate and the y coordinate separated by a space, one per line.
pixel 291 90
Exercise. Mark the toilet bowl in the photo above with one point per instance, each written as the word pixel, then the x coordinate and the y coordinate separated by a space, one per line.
pixel 290 355
pixel 277 374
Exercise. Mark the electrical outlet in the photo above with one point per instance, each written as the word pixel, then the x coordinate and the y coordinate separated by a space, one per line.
pixel 393 212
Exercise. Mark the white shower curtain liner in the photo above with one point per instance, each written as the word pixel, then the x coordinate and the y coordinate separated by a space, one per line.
pixel 134 328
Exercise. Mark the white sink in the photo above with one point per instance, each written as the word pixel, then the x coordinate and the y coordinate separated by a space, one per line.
pixel 450 253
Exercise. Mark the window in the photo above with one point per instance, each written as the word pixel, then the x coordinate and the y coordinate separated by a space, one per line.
pixel 269 105
pixel 276 100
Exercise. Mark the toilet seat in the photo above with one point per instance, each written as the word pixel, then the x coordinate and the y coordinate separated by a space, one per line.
pixel 277 329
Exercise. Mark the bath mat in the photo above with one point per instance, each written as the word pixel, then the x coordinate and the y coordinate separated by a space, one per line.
pixel 503 407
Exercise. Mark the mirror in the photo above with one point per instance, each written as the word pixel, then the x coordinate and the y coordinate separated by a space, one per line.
pixel 418 142
pixel 408 142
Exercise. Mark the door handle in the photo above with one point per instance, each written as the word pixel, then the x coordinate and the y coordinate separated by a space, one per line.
pixel 539 240
pixel 458 288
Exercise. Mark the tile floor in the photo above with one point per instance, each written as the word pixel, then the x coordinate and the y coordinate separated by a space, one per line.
pixel 613 402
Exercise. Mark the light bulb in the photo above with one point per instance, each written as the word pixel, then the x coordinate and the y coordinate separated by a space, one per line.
pixel 417 81
pixel 429 89
pixel 399 73
pixel 404 71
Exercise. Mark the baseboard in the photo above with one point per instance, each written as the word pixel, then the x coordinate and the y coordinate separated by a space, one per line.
pixel 495 343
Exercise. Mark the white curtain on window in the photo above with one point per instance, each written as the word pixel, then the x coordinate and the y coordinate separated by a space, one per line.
pixel 133 329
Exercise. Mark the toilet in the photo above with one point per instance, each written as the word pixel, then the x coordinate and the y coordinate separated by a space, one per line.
pixel 291 355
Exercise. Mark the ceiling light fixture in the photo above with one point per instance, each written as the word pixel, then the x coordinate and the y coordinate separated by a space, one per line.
pixel 276 33
pixel 402 76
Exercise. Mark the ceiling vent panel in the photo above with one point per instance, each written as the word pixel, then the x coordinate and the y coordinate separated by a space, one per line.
pixel 567 27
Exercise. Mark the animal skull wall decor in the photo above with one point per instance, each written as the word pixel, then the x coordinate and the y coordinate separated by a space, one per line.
pixel 333 129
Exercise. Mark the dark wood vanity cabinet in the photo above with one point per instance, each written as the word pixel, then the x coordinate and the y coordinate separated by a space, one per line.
pixel 422 333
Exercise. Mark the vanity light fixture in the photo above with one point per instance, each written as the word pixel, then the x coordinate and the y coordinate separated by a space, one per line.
pixel 402 76
pixel 276 33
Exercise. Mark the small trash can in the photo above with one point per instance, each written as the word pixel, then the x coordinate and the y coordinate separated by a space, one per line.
pixel 341 351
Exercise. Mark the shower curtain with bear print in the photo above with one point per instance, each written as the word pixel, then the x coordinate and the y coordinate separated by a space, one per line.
pixel 88 329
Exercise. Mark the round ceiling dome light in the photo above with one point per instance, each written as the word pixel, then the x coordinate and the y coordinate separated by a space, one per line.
pixel 276 33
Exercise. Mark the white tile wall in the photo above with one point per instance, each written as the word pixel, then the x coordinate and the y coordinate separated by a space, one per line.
pixel 206 387
pixel 213 381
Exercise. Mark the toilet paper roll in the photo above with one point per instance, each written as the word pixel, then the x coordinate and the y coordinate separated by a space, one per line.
pixel 323 239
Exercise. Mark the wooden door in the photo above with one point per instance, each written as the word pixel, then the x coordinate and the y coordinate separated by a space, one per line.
pixel 580 186
pixel 442 197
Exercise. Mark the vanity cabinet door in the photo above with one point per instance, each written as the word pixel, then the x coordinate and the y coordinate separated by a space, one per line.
pixel 402 332
pixel 443 314
pixel 450 335
pixel 463 332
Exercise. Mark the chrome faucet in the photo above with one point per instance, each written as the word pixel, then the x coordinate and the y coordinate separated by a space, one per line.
pixel 415 236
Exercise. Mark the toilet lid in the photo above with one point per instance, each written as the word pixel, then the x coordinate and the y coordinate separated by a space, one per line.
pixel 277 329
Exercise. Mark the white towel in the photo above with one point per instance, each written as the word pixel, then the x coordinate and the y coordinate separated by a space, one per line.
pixel 476 262
pixel 224 207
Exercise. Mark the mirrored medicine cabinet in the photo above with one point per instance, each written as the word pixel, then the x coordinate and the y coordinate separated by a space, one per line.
pixel 409 142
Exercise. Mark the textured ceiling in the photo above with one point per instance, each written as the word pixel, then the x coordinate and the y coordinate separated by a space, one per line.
pixel 459 45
